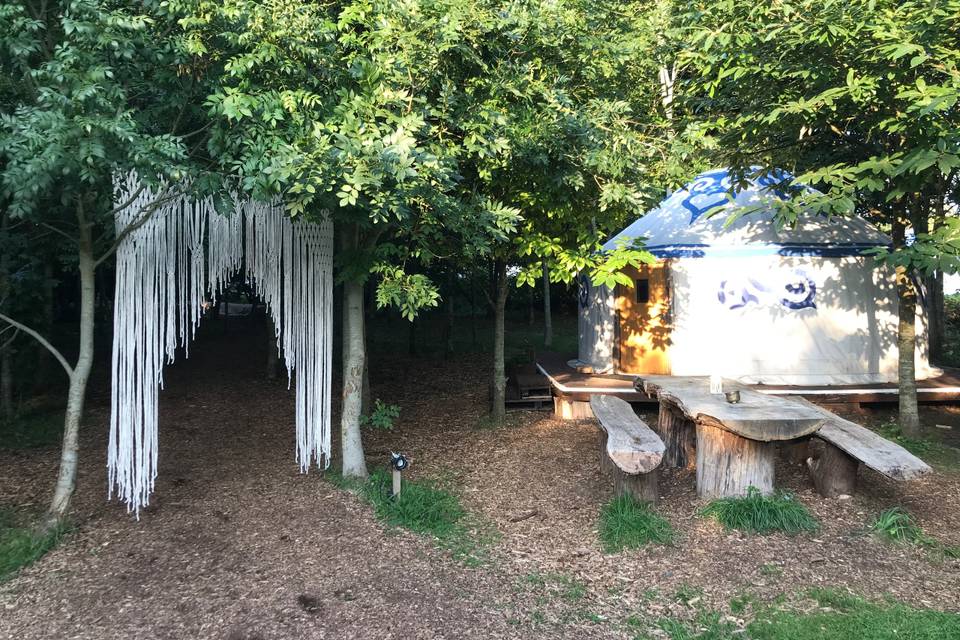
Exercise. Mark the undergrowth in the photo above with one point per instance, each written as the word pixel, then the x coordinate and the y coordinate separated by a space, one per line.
pixel 429 509
pixel 626 523
pixel 20 545
pixel 757 513
pixel 930 450
pixel 31 430
pixel 835 615
pixel 898 526
pixel 844 616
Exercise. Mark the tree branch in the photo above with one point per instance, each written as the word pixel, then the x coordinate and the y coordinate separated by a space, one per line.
pixel 9 340
pixel 43 341
pixel 59 231
pixel 145 216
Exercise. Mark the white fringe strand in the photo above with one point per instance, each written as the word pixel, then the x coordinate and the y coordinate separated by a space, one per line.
pixel 164 271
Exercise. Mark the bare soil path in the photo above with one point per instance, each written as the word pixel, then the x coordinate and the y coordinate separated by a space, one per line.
pixel 238 545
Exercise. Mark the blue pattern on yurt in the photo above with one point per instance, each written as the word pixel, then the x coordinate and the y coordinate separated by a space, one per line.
pixel 683 227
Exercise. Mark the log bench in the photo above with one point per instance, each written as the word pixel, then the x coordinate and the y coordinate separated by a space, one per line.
pixel 840 446
pixel 630 451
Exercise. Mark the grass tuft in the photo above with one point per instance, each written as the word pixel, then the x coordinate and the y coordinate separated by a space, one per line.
pixel 20 545
pixel 897 526
pixel 757 513
pixel 626 523
pixel 426 508
pixel 421 507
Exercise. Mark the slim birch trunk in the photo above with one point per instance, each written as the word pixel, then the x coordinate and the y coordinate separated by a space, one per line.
pixel 450 316
pixel 547 315
pixel 6 383
pixel 499 409
pixel 67 476
pixel 354 356
pixel 906 342
pixel 6 352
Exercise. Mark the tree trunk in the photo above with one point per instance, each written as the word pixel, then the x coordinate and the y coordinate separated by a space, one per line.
pixel 67 478
pixel 366 402
pixel 473 311
pixel 532 317
pixel 351 444
pixel 906 342
pixel 547 316
pixel 6 354
pixel 450 321
pixel 667 76
pixel 499 409
pixel 6 383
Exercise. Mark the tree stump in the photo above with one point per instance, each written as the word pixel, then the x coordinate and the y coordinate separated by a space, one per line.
pixel 727 464
pixel 834 473
pixel 679 436
pixel 643 487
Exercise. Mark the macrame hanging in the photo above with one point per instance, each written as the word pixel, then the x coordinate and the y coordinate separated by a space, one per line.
pixel 179 251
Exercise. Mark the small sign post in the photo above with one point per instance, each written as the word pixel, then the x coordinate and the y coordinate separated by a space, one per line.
pixel 398 462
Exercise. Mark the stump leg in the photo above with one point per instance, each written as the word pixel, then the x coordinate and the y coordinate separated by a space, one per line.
pixel 727 464
pixel 834 473
pixel 606 464
pixel 643 487
pixel 679 437
pixel 571 409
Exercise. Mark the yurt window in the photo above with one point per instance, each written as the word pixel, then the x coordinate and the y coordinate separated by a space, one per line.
pixel 642 287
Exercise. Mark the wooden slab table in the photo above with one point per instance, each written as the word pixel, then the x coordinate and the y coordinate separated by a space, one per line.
pixel 733 444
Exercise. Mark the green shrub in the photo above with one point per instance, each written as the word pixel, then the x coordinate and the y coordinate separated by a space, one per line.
pixel 757 513
pixel 382 416
pixel 626 523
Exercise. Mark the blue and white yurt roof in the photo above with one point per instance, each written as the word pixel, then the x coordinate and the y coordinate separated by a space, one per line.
pixel 681 226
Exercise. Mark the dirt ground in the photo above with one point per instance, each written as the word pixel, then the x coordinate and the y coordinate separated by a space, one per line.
pixel 238 545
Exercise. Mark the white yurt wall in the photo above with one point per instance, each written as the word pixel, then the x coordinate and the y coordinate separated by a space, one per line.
pixel 772 319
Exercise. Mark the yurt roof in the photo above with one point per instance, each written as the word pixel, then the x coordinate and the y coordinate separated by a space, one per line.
pixel 682 227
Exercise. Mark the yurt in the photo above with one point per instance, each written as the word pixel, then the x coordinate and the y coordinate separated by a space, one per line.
pixel 748 300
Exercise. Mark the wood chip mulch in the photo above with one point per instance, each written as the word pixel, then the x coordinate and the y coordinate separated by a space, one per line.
pixel 237 545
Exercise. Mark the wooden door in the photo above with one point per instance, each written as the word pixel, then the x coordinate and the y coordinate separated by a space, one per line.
pixel 644 320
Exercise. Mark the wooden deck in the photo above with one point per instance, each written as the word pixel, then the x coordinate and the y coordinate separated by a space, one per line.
pixel 568 383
